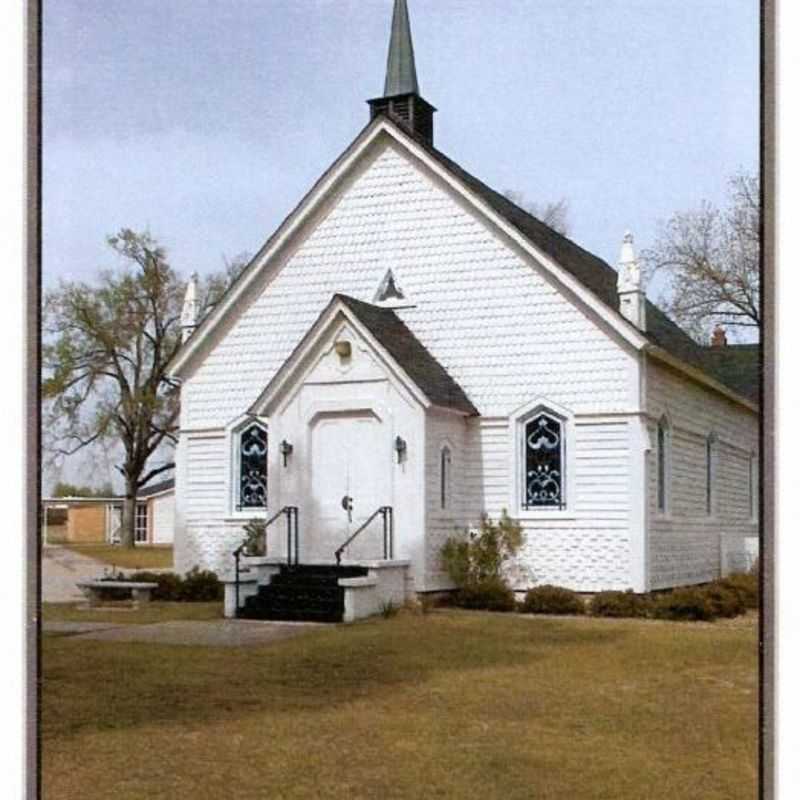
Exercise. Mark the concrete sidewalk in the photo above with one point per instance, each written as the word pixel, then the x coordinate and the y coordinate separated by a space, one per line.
pixel 213 633
pixel 62 568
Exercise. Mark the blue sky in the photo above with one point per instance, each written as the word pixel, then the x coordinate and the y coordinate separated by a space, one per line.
pixel 206 121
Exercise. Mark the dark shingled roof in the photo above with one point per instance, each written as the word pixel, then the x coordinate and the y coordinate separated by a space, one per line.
pixel 738 373
pixel 155 488
pixel 738 366
pixel 410 354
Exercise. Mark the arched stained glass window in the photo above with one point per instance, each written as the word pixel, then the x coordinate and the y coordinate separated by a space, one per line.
pixel 252 476
pixel 544 459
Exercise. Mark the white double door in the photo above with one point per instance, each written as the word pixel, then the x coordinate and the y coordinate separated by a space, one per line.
pixel 350 479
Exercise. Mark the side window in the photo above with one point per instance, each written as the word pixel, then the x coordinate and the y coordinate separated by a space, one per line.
pixel 543 462
pixel 445 466
pixel 711 468
pixel 753 486
pixel 662 463
pixel 251 468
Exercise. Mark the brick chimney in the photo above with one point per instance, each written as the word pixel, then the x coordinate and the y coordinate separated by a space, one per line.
pixel 718 337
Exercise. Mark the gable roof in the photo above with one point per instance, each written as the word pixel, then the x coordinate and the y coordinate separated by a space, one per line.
pixel 156 488
pixel 590 273
pixel 737 372
pixel 738 366
pixel 415 359
pixel 430 379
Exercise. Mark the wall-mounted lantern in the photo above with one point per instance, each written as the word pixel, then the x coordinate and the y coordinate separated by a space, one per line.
pixel 286 451
pixel 401 448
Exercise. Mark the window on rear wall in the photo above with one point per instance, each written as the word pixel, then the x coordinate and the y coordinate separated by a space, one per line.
pixel 251 468
pixel 140 529
pixel 544 459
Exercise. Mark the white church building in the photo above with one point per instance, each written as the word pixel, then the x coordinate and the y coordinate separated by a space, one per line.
pixel 411 350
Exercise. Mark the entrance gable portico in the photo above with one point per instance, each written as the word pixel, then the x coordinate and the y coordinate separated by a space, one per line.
pixel 347 413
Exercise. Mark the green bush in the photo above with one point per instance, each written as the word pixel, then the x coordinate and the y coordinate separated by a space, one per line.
pixel 255 538
pixel 688 603
pixel 549 599
pixel 198 586
pixel 724 602
pixel 169 584
pixel 743 584
pixel 620 604
pixel 480 555
pixel 491 594
pixel 201 586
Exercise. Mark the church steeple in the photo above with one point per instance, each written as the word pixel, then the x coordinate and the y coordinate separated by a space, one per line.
pixel 401 99
pixel 401 71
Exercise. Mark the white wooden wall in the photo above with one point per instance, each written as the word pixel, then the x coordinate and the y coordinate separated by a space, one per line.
pixel 162 510
pixel 685 544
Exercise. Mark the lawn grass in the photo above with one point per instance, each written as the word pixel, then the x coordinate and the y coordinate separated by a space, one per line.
pixel 139 557
pixel 123 614
pixel 445 705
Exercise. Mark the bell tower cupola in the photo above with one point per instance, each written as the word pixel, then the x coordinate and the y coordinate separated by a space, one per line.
pixel 401 99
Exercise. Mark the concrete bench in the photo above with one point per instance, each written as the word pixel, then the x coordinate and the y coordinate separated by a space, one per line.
pixel 140 592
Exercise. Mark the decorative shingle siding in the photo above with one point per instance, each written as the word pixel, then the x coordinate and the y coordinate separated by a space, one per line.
pixel 500 328
pixel 586 550
pixel 685 545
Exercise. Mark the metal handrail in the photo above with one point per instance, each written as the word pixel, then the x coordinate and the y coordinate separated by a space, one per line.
pixel 292 538
pixel 388 533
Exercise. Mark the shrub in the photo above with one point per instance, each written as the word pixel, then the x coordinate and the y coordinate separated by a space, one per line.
pixel 427 604
pixel 620 604
pixel 200 586
pixel 255 538
pixel 480 555
pixel 743 584
pixel 724 602
pixel 549 599
pixel 197 586
pixel 388 609
pixel 169 584
pixel 491 594
pixel 688 604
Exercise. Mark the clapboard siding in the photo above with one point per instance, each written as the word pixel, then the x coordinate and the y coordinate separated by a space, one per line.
pixel 440 430
pixel 590 548
pixel 207 537
pixel 686 545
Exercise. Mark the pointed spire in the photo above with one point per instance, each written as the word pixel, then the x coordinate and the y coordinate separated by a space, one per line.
pixel 401 99
pixel 630 286
pixel 401 72
pixel 191 308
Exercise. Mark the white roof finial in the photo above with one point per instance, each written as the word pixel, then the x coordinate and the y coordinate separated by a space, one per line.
pixel 629 272
pixel 191 307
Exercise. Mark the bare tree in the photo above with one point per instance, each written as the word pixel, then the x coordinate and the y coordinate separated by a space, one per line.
pixel 710 259
pixel 217 283
pixel 554 214
pixel 105 360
